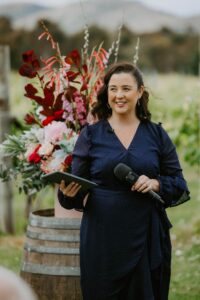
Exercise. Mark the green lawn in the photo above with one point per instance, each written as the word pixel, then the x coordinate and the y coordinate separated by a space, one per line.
pixel 186 247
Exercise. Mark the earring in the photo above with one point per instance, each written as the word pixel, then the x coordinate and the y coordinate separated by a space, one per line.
pixel 138 102
pixel 108 106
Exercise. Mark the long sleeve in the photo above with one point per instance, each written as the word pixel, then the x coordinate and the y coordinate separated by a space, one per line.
pixel 80 167
pixel 173 187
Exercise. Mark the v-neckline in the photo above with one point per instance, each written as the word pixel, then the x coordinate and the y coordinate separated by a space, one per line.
pixel 118 139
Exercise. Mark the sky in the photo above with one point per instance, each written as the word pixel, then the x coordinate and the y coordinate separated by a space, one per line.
pixel 177 7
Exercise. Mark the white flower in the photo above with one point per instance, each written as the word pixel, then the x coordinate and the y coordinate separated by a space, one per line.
pixel 46 149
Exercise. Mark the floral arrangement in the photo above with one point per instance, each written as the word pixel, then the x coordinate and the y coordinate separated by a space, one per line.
pixel 62 90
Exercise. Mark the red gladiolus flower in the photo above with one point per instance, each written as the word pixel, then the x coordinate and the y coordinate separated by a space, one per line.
pixel 72 75
pixel 73 57
pixel 34 157
pixel 56 116
pixel 76 57
pixel 85 68
pixel 48 120
pixel 84 86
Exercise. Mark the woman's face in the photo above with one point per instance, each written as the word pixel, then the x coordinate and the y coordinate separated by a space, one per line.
pixel 123 93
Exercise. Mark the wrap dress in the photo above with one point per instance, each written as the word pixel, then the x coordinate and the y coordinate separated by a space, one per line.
pixel 125 249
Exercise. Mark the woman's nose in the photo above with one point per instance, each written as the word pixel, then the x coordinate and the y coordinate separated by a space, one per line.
pixel 119 94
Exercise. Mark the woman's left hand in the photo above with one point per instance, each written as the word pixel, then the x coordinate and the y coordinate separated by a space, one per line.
pixel 144 184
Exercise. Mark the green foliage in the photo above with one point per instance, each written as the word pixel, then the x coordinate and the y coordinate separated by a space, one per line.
pixel 176 105
pixel 14 148
pixel 189 132
pixel 13 145
pixel 10 253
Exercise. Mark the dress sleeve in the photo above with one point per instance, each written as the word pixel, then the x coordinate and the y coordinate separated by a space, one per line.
pixel 173 187
pixel 80 167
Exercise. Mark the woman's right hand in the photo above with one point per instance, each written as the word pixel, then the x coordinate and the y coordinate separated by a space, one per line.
pixel 69 190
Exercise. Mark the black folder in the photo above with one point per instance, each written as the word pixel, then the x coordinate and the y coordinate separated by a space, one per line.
pixel 56 177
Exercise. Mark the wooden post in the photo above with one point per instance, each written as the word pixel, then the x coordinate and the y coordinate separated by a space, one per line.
pixel 6 211
pixel 199 57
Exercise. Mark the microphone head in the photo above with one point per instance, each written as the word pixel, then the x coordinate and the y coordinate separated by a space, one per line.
pixel 121 171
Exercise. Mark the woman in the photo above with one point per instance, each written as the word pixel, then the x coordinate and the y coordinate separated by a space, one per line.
pixel 125 249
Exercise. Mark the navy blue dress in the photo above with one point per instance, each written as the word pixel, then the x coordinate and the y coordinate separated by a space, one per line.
pixel 125 249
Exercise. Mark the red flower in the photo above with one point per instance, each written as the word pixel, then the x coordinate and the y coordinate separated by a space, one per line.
pixel 56 116
pixel 72 75
pixel 31 92
pixel 49 95
pixel 73 57
pixel 34 157
pixel 29 56
pixel 27 71
pixel 31 66
pixel 48 120
pixel 68 160
pixel 47 102
pixel 30 119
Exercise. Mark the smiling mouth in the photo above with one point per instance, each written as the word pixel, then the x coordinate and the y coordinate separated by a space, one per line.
pixel 120 103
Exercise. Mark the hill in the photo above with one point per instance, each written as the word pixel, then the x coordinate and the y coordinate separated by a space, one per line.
pixel 108 15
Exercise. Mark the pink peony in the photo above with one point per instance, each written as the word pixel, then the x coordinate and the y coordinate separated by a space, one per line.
pixel 54 132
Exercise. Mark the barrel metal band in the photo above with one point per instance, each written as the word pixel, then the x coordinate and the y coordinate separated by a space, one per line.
pixel 51 250
pixel 54 223
pixel 50 237
pixel 50 270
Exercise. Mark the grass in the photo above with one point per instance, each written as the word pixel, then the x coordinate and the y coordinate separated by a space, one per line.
pixel 170 92
pixel 11 251
pixel 186 244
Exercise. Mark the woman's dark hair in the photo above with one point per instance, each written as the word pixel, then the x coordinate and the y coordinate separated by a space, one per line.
pixel 101 108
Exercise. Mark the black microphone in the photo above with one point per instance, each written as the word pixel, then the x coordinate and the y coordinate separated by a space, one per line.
pixel 125 173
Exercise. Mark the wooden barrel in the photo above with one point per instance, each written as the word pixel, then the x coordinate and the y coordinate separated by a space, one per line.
pixel 50 262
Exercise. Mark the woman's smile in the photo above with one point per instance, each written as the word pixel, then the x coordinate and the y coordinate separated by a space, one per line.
pixel 120 103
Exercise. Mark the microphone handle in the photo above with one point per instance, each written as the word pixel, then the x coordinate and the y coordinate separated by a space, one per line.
pixel 132 177
pixel 155 196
